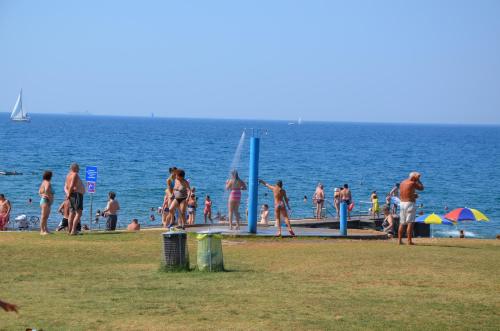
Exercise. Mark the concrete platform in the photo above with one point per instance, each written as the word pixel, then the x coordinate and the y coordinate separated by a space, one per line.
pixel 270 231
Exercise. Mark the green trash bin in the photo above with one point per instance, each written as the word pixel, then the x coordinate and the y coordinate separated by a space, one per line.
pixel 209 256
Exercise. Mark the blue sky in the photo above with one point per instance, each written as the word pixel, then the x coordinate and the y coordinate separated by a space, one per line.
pixel 368 61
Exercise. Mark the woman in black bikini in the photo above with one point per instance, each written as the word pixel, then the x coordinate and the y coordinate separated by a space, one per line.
pixel 181 190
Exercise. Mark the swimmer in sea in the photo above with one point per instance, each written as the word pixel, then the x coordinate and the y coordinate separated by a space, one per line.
pixel 280 205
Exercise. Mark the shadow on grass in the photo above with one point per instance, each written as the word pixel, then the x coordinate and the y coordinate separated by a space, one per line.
pixel 448 246
pixel 195 270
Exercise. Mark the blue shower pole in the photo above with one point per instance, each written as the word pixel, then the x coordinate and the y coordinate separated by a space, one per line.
pixel 343 219
pixel 253 185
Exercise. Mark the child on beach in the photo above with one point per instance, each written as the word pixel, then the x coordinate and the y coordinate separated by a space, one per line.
pixel 375 206
pixel 207 211
pixel 264 214
pixel 165 214
pixel 192 203
pixel 64 211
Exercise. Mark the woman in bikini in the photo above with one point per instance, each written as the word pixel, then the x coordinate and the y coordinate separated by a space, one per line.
pixel 336 200
pixel 234 185
pixel 191 206
pixel 181 190
pixel 46 199
pixel 280 205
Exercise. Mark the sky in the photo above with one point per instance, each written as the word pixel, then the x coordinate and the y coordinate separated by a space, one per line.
pixel 363 61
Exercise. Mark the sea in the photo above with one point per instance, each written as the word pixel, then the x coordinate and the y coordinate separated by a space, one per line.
pixel 460 164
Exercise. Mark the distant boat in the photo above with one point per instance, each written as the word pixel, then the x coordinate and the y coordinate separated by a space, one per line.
pixel 18 114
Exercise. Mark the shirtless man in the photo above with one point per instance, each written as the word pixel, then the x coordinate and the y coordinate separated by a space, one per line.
pixel 111 212
pixel 5 208
pixel 280 200
pixel 346 196
pixel 74 190
pixel 407 206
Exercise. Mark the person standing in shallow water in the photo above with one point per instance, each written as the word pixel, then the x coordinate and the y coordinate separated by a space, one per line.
pixel 280 205
pixel 74 190
pixel 234 185
pixel 46 199
pixel 407 207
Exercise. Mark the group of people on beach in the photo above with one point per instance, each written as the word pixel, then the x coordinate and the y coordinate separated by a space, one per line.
pixel 340 194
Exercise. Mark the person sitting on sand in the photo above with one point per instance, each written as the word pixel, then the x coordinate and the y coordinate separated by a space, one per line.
pixel 134 225
pixel 264 214
pixel 5 208
pixel 407 207
pixel 388 223
pixel 280 205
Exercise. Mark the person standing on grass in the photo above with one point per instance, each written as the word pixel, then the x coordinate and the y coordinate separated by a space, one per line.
pixel 5 208
pixel 46 199
pixel 280 205
pixel 74 190
pixel 111 212
pixel 207 211
pixel 407 207
pixel 319 199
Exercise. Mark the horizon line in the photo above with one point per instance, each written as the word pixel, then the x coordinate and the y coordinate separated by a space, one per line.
pixel 89 114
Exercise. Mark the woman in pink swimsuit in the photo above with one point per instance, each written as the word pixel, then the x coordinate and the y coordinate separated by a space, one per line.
pixel 234 185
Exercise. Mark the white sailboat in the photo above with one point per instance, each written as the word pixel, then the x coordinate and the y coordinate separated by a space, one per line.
pixel 18 114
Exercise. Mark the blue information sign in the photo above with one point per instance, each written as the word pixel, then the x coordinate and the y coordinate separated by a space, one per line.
pixel 91 174
pixel 90 187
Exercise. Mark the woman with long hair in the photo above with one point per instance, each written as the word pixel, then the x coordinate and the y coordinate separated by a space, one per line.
pixel 46 199
pixel 234 185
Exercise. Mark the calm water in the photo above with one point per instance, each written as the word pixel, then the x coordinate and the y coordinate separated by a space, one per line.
pixel 459 164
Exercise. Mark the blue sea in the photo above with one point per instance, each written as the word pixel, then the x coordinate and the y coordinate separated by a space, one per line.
pixel 460 165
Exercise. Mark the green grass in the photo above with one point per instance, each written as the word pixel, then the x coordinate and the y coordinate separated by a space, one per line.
pixel 114 281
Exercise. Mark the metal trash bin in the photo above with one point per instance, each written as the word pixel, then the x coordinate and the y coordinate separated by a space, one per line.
pixel 175 251
pixel 209 255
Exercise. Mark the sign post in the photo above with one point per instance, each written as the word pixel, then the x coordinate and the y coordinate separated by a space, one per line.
pixel 91 179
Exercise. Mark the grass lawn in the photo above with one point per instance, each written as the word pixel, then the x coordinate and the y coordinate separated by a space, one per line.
pixel 112 281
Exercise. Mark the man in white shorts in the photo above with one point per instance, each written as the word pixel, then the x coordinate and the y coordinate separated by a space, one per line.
pixel 407 207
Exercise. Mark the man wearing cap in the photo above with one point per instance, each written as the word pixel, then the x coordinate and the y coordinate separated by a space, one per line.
pixel 407 208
